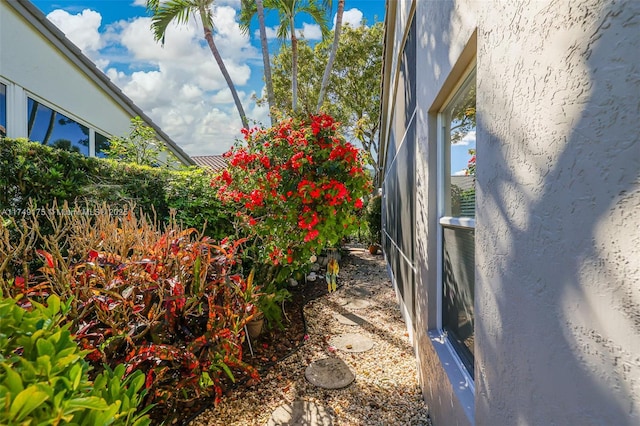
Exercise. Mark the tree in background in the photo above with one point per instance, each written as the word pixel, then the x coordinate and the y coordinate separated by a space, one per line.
pixel 288 10
pixel 164 12
pixel 332 55
pixel 353 93
pixel 140 146
pixel 249 9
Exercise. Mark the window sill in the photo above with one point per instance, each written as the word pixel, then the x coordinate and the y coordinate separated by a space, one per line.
pixel 458 222
pixel 461 382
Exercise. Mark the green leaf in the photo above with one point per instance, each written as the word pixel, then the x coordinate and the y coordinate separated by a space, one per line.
pixel 75 374
pixel 12 380
pixel 45 347
pixel 26 401
pixel 228 371
pixel 89 402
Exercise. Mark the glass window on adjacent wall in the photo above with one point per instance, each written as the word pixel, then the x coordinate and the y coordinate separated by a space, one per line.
pixel 50 127
pixel 102 144
pixel 457 219
pixel 3 110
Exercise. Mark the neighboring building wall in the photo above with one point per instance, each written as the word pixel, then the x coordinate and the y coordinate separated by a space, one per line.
pixel 37 61
pixel 557 293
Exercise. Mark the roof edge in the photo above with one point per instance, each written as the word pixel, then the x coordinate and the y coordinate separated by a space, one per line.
pixel 37 19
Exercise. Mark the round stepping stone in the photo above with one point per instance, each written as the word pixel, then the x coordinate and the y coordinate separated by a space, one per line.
pixel 357 303
pixel 301 413
pixel 352 342
pixel 359 292
pixel 329 373
pixel 349 319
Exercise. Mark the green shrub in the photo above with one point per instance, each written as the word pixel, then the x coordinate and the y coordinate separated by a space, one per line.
pixel 373 217
pixel 44 378
pixel 38 174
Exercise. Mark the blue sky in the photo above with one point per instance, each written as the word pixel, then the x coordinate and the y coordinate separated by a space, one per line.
pixel 179 85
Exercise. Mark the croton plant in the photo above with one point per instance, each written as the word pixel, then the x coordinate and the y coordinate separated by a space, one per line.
pixel 169 304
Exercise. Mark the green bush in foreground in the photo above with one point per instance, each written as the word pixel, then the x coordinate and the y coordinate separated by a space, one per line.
pixel 44 378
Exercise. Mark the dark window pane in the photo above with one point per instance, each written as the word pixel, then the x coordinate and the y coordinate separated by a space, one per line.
pixel 49 127
pixel 458 290
pixel 3 110
pixel 102 144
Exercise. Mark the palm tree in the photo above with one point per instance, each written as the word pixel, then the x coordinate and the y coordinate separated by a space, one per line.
pixel 332 55
pixel 288 10
pixel 250 8
pixel 166 11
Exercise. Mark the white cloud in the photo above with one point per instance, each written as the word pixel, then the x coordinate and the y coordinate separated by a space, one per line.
pixel 352 17
pixel 309 31
pixel 178 85
pixel 462 172
pixel 81 29
pixel 272 33
pixel 468 139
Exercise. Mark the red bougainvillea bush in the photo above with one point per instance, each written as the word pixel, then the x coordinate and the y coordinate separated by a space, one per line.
pixel 167 303
pixel 298 187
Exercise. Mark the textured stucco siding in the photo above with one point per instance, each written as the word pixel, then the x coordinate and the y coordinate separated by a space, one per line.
pixel 444 30
pixel 558 214
pixel 558 206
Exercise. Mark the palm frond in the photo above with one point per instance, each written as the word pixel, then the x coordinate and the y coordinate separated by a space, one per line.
pixel 166 12
pixel 318 14
pixel 247 12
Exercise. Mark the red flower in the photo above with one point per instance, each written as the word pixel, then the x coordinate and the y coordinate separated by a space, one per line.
pixel 311 235
pixel 226 177
pixel 358 204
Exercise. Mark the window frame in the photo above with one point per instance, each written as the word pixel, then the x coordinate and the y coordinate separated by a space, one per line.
pixel 44 102
pixel 444 218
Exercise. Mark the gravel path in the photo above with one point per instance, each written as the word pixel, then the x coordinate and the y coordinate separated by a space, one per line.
pixel 385 391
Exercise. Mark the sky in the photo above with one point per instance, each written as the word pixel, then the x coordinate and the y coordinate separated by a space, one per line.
pixel 179 86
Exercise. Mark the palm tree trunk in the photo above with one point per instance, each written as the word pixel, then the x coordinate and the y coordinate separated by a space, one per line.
pixel 294 66
pixel 332 55
pixel 208 35
pixel 271 99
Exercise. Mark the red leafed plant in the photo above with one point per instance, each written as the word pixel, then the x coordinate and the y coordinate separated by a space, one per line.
pixel 168 303
pixel 298 187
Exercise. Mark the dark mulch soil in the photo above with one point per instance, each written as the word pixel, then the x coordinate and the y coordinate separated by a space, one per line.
pixel 270 347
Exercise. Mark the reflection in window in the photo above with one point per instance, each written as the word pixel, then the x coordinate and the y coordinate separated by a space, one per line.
pixel 461 117
pixel 102 144
pixel 3 110
pixel 52 128
pixel 458 225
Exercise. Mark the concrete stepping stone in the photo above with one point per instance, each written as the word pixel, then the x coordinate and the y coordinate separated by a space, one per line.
pixel 355 303
pixel 300 413
pixel 359 292
pixel 351 342
pixel 329 373
pixel 349 319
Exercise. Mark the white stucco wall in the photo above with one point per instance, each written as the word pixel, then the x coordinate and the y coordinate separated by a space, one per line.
pixel 36 60
pixel 32 62
pixel 558 206
pixel 558 222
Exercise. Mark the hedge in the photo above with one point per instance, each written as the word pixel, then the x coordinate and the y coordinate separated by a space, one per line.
pixel 42 174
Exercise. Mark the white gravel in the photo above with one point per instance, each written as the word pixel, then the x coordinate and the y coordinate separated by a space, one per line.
pixel 385 391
